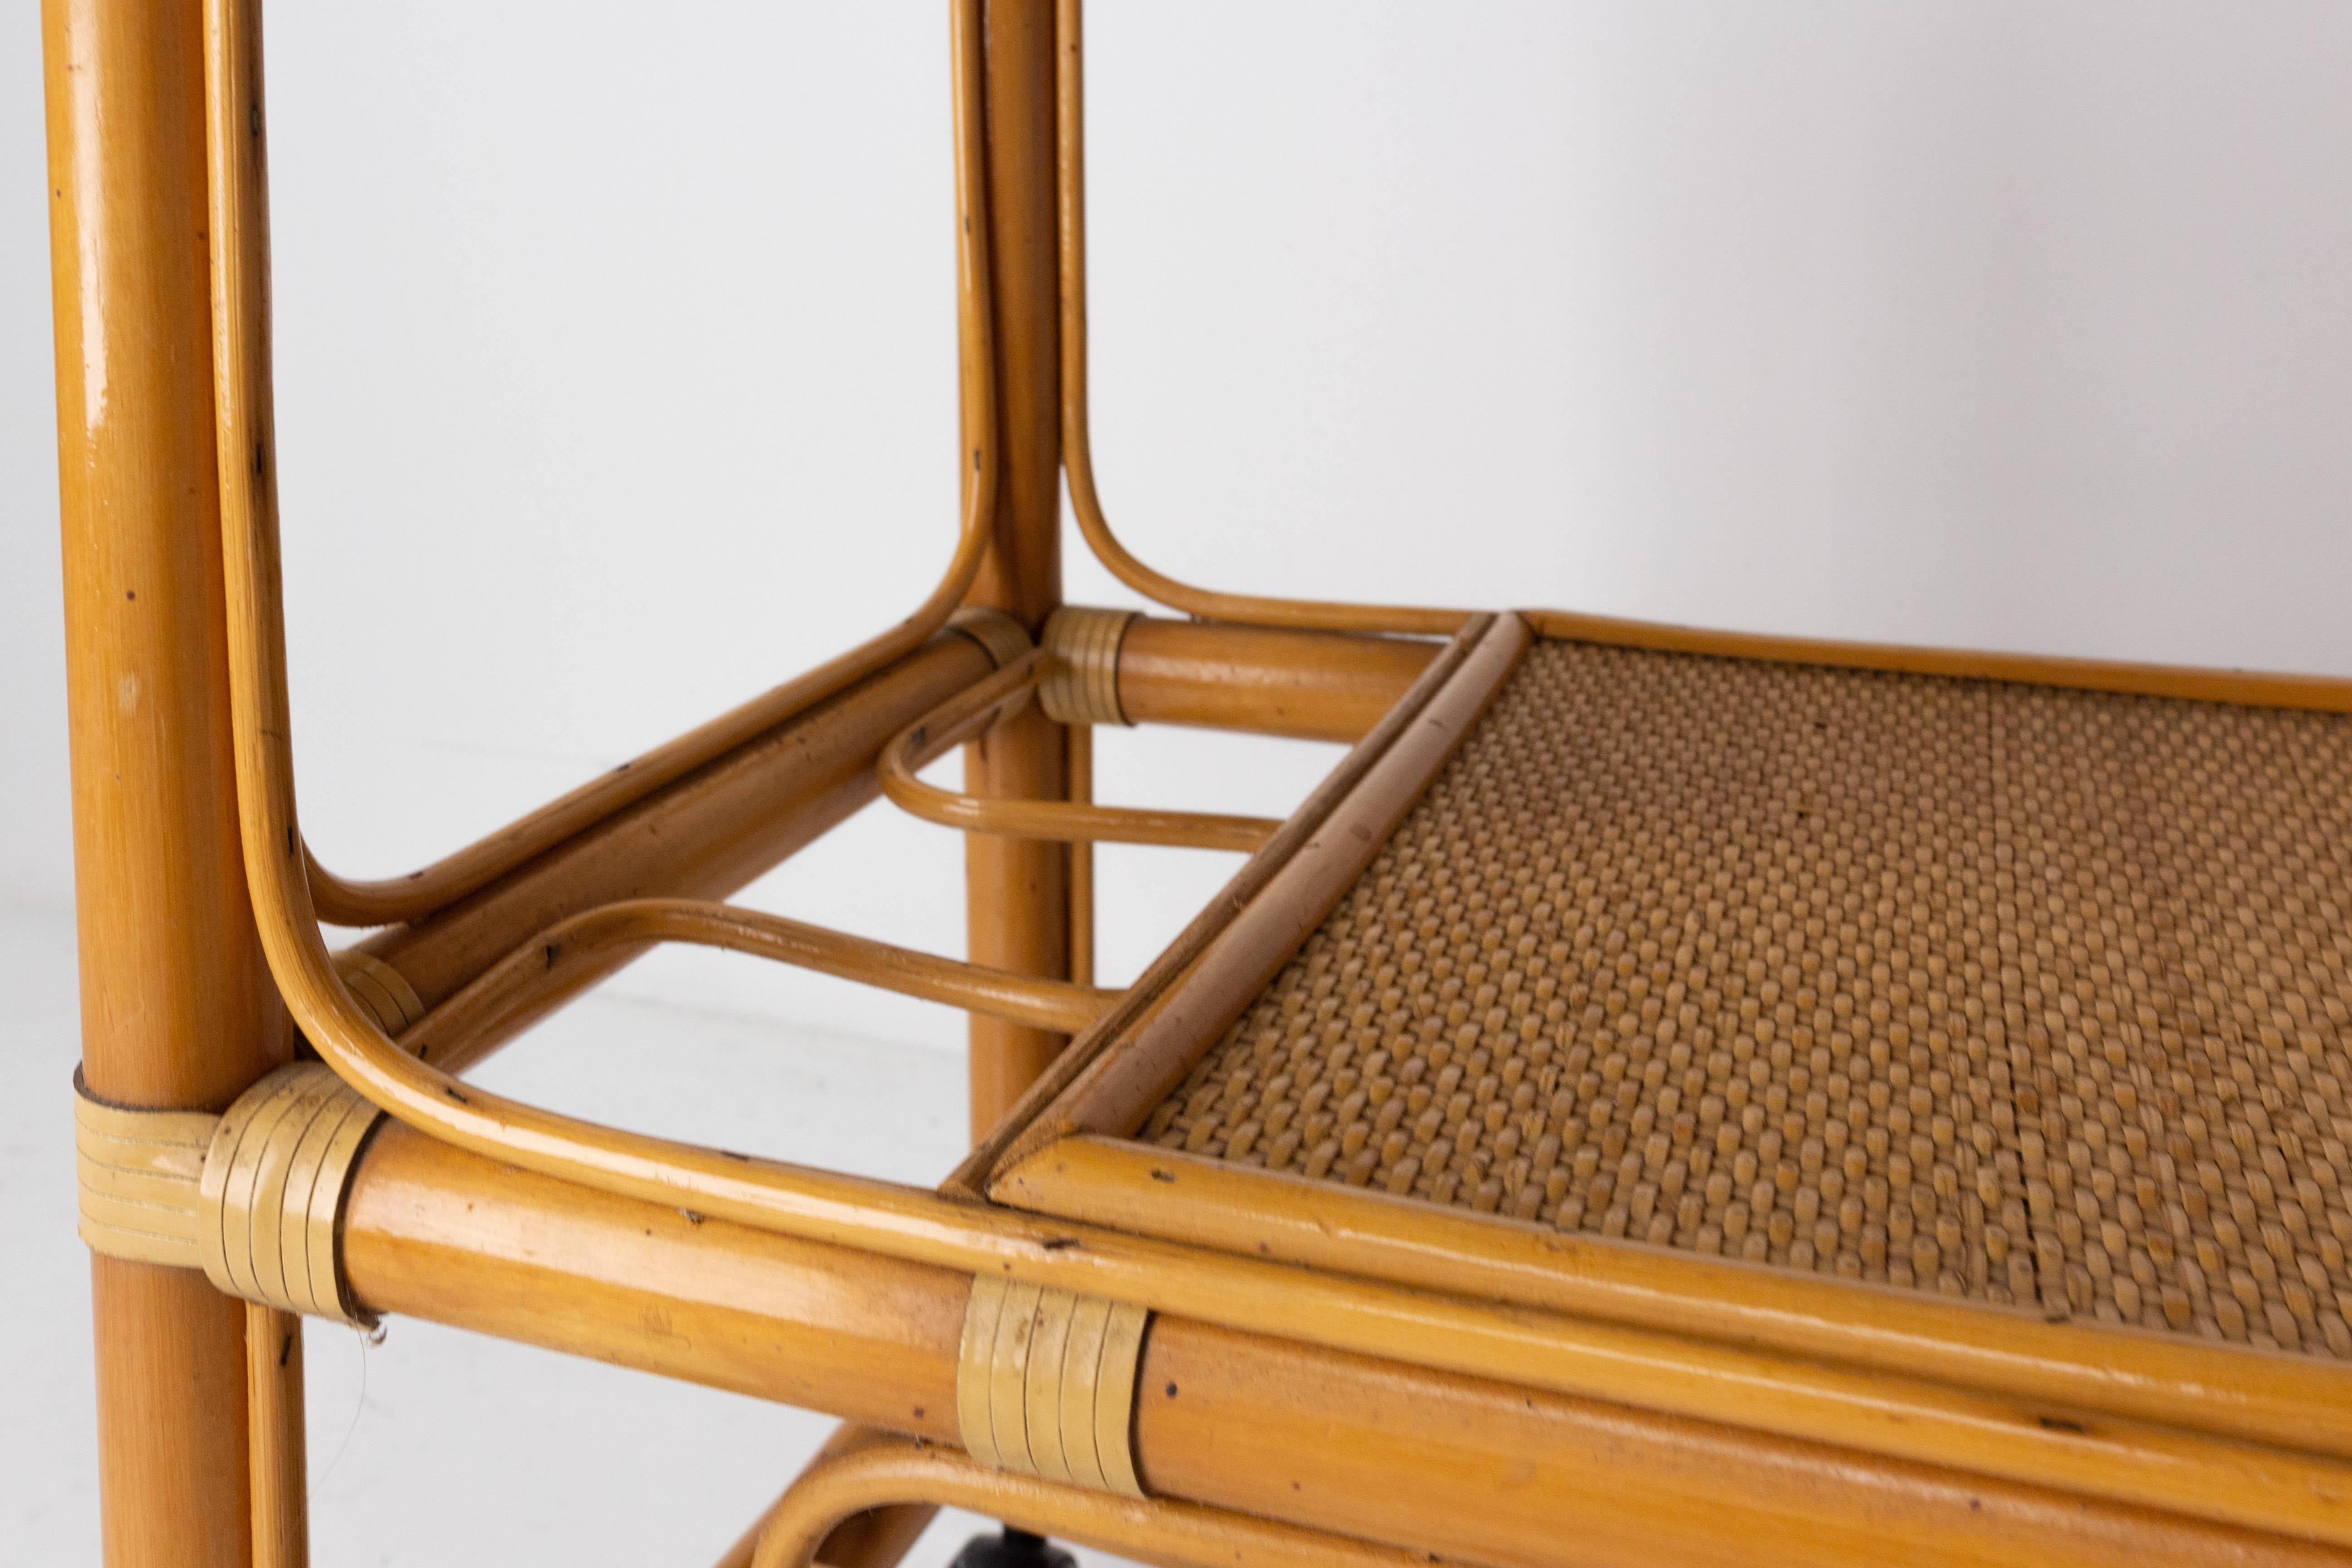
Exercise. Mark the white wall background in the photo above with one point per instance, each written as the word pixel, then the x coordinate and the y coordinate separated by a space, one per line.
pixel 616 380
pixel 616 384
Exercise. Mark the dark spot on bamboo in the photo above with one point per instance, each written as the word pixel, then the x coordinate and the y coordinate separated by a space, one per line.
pixel 1171 1388
pixel 555 950
pixel 2060 1424
pixel 285 1349
pixel 691 1218
pixel 1160 1175
pixel 730 1154
pixel 451 1090
pixel 1060 1243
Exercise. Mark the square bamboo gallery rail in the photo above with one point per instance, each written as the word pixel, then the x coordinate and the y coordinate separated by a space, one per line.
pixel 1668 1097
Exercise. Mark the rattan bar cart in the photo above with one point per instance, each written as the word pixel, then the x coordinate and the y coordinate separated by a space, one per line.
pixel 1666 1098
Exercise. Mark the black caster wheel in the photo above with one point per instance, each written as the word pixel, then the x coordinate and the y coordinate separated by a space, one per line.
pixel 1012 1548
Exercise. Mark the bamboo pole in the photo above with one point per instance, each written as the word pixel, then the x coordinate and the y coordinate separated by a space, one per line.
pixel 1235 1420
pixel 1307 685
pixel 432 1232
pixel 867 1537
pixel 861 1474
pixel 1017 891
pixel 177 1008
pixel 273 1384
pixel 1531 1353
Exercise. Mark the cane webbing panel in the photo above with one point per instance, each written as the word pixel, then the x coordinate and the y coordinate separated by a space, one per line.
pixel 2019 994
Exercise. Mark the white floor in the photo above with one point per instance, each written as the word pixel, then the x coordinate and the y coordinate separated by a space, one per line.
pixel 433 1446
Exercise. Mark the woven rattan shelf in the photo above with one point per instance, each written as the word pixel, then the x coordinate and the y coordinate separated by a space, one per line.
pixel 1665 1096
pixel 2014 993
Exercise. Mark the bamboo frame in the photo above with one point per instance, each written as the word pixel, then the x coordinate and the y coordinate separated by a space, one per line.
pixel 1123 1082
pixel 876 1470
pixel 177 1011
pixel 991 702
pixel 2293 1401
pixel 455 1035
pixel 2322 693
pixel 1320 1344
pixel 1017 891
pixel 1077 441
pixel 704 836
pixel 1309 686
pixel 1268 1425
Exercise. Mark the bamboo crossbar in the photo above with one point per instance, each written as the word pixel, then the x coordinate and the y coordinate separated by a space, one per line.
pixel 1225 1416
pixel 970 713
pixel 451 1034
pixel 1940 1453
pixel 1265 680
pixel 703 836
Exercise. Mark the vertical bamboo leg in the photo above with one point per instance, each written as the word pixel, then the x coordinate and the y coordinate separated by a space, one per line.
pixel 1082 859
pixel 177 1007
pixel 273 1395
pixel 1018 891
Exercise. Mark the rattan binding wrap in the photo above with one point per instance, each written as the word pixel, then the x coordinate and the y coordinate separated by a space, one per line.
pixel 1047 1384
pixel 1081 683
pixel 379 988
pixel 274 1180
pixel 2019 994
pixel 997 633
pixel 137 1172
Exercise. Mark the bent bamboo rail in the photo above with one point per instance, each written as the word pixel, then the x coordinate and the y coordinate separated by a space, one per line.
pixel 971 712
pixel 448 1033
pixel 348 902
pixel 1077 440
pixel 2132 1461
pixel 879 1470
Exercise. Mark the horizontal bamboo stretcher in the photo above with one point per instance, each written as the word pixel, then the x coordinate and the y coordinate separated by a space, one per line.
pixel 2024 996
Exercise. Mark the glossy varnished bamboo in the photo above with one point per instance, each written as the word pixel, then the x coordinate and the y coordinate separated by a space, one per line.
pixel 1017 890
pixel 868 1537
pixel 1484 1472
pixel 1310 686
pixel 2295 1402
pixel 177 1010
pixel 702 837
pixel 1235 1420
pixel 433 1232
pixel 862 1472
pixel 562 958
pixel 273 1391
pixel 999 702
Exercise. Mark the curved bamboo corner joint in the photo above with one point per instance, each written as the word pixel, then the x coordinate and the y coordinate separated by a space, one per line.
pixel 990 703
pixel 235 55
pixel 1077 441
pixel 876 1471
pixel 349 1014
